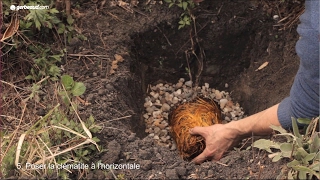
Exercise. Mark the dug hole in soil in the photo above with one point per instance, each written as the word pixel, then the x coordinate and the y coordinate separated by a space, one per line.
pixel 237 37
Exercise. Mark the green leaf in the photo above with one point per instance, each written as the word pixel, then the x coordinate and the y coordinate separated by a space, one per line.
pixel 301 153
pixel 278 128
pixel 170 5
pixel 38 24
pixel 304 121
pixel 295 128
pixel 182 22
pixel 91 119
pixel 95 139
pixel 276 158
pixel 70 20
pixel 265 145
pixel 184 5
pixel 315 166
pixel 57 57
pixel 61 28
pixel 286 147
pixel 167 1
pixel 29 77
pixel 53 11
pixel 310 157
pixel 287 154
pixel 305 169
pixel 303 174
pixel 180 4
pixel 67 82
pixel 78 89
pixel 315 143
pixel 293 163
pixel 181 26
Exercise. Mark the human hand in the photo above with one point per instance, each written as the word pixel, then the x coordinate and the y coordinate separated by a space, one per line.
pixel 219 138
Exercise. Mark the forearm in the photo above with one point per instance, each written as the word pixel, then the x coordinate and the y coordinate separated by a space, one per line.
pixel 257 124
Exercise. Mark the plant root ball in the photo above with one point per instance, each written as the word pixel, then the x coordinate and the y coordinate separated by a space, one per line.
pixel 200 112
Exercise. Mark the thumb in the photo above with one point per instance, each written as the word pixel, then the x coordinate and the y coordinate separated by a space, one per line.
pixel 198 131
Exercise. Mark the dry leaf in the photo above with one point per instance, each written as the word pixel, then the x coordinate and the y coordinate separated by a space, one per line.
pixel 118 58
pixel 114 63
pixel 262 66
pixel 12 29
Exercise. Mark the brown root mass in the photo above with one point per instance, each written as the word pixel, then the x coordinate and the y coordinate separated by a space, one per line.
pixel 201 112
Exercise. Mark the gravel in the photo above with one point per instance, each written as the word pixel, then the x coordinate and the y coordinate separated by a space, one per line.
pixel 165 97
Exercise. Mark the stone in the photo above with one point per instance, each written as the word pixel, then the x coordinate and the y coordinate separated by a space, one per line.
pixel 188 83
pixel 143 154
pixel 210 173
pixel 156 137
pixel 223 103
pixel 156 130
pixel 206 85
pixel 179 85
pixel 146 165
pixel 171 174
pixel 156 113
pixel 218 94
pixel 181 80
pixel 147 104
pixel 175 100
pixel 131 137
pixel 165 107
pixel 173 147
pixel 181 171
pixel 150 109
pixel 177 93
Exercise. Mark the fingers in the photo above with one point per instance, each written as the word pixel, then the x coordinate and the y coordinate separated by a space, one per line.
pixel 204 156
pixel 200 158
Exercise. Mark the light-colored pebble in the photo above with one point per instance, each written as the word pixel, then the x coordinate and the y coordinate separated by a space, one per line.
pixel 178 85
pixel 206 85
pixel 223 103
pixel 165 107
pixel 218 94
pixel 188 83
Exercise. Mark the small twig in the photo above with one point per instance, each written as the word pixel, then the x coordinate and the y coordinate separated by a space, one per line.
pixel 164 36
pixel 245 143
pixel 226 165
pixel 12 85
pixel 115 119
pixel 189 70
pixel 192 37
pixel 88 55
pixel 100 35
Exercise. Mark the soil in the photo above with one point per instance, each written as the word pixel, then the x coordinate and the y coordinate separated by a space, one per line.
pixel 236 36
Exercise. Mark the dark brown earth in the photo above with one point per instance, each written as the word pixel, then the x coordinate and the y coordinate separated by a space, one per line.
pixel 237 37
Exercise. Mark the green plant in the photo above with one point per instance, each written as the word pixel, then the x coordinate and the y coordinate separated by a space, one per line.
pixel 31 39
pixel 302 149
pixel 70 88
pixel 59 137
pixel 186 5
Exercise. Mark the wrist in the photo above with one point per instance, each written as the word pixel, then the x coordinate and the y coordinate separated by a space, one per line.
pixel 240 128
